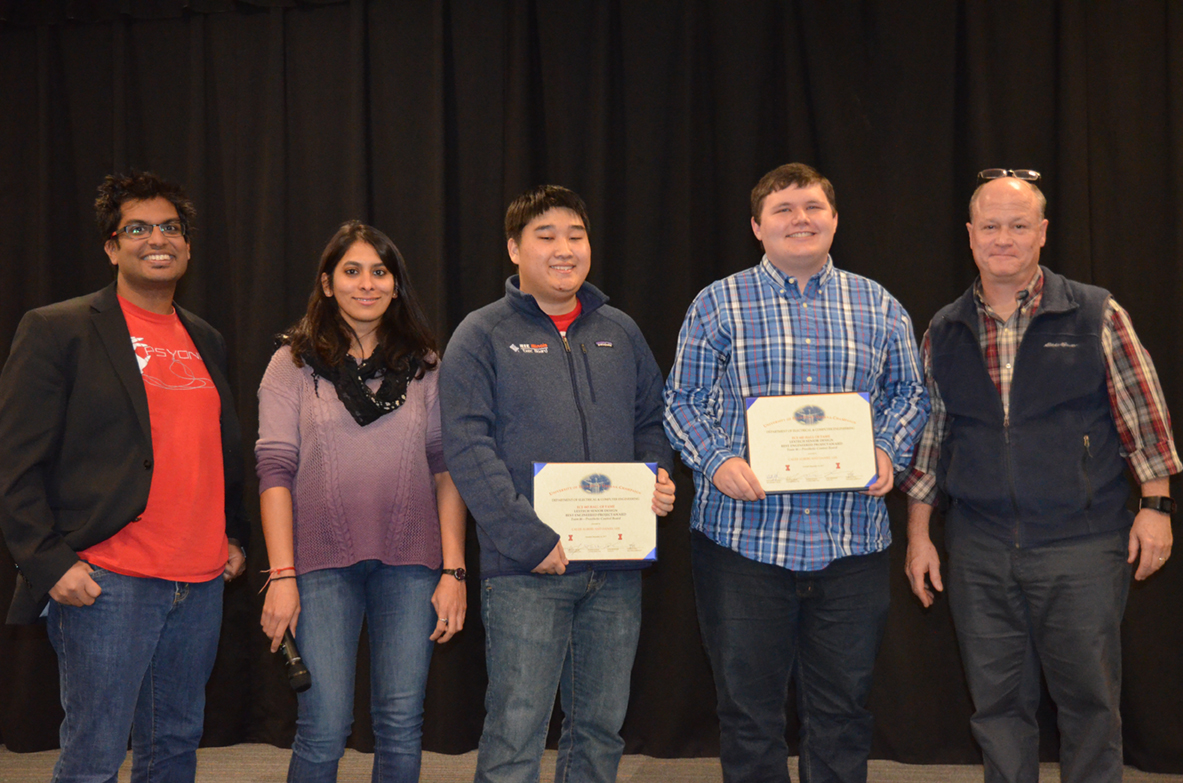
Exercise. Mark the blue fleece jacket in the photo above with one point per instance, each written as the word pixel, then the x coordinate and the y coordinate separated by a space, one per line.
pixel 512 393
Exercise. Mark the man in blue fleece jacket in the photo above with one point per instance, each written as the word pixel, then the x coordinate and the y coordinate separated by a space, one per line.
pixel 550 373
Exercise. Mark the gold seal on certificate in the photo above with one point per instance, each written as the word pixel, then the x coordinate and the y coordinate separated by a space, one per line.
pixel 601 510
pixel 812 442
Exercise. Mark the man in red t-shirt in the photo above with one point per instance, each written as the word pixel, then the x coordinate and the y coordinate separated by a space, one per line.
pixel 121 493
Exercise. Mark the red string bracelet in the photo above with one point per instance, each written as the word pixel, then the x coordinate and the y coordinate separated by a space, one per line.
pixel 274 574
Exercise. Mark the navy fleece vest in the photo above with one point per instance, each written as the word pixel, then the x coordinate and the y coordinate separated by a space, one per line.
pixel 1055 470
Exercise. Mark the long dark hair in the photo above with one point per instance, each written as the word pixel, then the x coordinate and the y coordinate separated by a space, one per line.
pixel 403 334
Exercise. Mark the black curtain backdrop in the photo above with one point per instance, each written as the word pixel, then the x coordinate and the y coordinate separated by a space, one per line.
pixel 427 118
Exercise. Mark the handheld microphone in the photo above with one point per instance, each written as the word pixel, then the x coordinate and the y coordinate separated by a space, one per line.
pixel 298 675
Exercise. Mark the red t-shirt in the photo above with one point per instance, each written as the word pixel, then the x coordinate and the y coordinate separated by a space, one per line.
pixel 181 536
pixel 565 320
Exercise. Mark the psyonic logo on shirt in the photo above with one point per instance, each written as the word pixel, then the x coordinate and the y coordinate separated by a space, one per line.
pixel 173 370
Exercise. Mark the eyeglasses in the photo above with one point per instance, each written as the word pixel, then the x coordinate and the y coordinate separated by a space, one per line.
pixel 1027 175
pixel 171 230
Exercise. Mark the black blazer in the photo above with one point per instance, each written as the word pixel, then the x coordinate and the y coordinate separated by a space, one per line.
pixel 75 440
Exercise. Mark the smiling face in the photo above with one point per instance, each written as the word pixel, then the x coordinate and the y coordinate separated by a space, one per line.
pixel 553 257
pixel 1006 232
pixel 148 268
pixel 796 227
pixel 363 288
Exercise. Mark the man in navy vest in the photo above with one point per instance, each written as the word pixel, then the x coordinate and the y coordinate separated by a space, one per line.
pixel 1041 396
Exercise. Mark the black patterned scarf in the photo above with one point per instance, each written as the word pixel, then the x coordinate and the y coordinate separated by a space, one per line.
pixel 349 379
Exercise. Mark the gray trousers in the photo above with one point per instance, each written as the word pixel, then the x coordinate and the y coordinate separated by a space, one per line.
pixel 1057 606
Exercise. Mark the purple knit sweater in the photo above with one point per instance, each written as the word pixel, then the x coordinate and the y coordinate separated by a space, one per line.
pixel 358 493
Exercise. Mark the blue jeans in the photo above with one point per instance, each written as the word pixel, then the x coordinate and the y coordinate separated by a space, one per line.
pixel 1059 605
pixel 762 624
pixel 396 604
pixel 135 662
pixel 576 633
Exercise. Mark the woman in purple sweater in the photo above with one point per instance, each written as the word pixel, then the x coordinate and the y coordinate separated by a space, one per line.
pixel 359 512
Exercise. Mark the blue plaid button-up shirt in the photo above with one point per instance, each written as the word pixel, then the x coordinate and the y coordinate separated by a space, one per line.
pixel 755 334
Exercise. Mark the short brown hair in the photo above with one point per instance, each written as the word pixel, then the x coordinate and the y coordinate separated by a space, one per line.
pixel 789 174
pixel 118 189
pixel 538 200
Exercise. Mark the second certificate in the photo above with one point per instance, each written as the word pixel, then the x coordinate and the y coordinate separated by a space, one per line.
pixel 811 442
pixel 601 510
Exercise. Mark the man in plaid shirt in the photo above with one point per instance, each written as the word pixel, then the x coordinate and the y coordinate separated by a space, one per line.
pixel 791 584
pixel 1041 396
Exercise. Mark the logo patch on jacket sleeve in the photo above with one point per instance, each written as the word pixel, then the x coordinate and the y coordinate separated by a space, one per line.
pixel 603 343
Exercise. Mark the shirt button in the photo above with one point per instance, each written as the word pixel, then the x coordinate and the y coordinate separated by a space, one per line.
pixel 808 341
pixel 147 464
pixel 809 378
pixel 807 511
pixel 1008 366
pixel 804 305
pixel 793 280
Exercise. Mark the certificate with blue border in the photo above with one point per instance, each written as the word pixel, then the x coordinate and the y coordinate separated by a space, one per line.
pixel 601 510
pixel 812 442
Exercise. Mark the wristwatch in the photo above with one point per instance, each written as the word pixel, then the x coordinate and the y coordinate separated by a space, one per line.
pixel 1159 503
pixel 460 573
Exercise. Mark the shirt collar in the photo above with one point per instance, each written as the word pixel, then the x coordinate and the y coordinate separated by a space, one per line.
pixel 590 297
pixel 1027 297
pixel 788 283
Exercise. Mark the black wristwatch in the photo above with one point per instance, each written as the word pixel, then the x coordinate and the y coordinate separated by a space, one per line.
pixel 459 573
pixel 1159 503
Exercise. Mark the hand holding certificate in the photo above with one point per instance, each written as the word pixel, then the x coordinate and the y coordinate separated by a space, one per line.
pixel 602 511
pixel 812 442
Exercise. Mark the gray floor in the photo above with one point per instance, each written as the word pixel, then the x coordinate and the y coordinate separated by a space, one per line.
pixel 265 764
